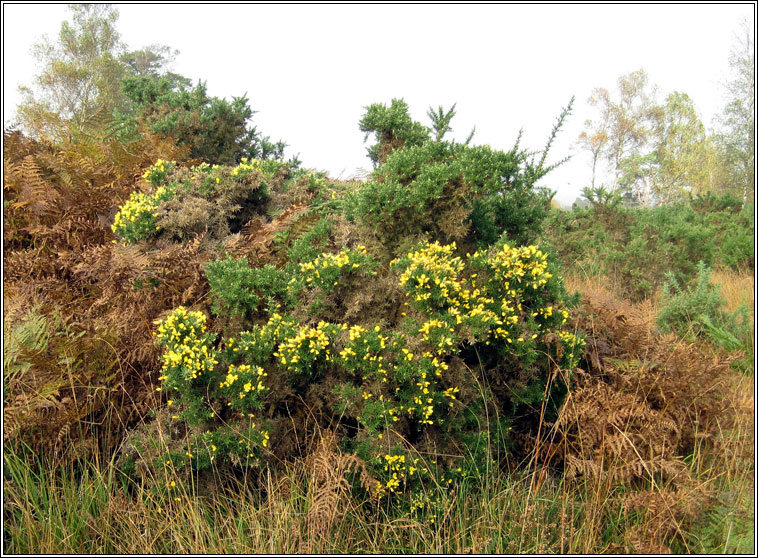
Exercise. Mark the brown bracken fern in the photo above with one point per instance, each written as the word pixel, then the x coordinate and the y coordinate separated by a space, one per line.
pixel 644 404
pixel 327 472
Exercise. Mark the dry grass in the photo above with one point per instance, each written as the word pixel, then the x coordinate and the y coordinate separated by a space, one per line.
pixel 738 288
pixel 93 512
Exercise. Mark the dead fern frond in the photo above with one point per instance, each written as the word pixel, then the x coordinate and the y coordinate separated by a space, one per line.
pixel 327 470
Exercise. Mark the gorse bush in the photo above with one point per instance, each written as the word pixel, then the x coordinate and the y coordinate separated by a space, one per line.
pixel 213 129
pixel 451 192
pixel 393 127
pixel 698 310
pixel 412 362
pixel 428 189
pixel 237 289
pixel 136 219
pixel 636 248
pixel 191 202
pixel 494 318
pixel 682 307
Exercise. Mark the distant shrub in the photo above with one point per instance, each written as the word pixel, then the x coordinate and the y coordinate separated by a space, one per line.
pixel 698 311
pixel 682 306
pixel 636 248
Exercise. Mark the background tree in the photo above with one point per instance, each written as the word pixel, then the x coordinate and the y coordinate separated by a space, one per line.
pixel 736 135
pixel 682 150
pixel 630 118
pixel 594 139
pixel 149 61
pixel 83 72
pixel 637 178
pixel 622 126
pixel 90 76
pixel 657 153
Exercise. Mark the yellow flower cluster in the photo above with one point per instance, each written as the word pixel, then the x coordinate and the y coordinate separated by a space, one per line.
pixel 362 353
pixel 159 165
pixel 574 345
pixel 443 271
pixel 135 219
pixel 443 342
pixel 422 399
pixel 519 267
pixel 308 345
pixel 434 272
pixel 158 171
pixel 260 342
pixel 132 210
pixel 254 376
pixel 246 167
pixel 326 264
pixel 187 352
pixel 181 323
pixel 432 275
pixel 399 470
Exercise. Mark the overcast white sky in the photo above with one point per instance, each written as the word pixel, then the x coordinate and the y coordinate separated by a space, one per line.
pixel 309 70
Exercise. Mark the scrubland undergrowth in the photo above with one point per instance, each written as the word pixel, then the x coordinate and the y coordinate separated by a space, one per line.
pixel 253 358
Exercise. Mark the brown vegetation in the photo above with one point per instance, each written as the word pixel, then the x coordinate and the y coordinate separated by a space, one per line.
pixel 644 405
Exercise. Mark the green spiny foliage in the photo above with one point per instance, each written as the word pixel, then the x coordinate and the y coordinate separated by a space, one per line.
pixel 394 128
pixel 452 192
pixel 237 289
pixel 426 188
pixel 215 129
pixel 483 320
pixel 312 243
pixel 697 311
pixel 682 306
pixel 637 247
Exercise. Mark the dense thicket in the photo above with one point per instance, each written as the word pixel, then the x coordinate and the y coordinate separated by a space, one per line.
pixel 243 313
pixel 635 248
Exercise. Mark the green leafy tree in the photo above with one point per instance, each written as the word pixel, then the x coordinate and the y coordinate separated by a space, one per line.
pixel 81 73
pixel 149 61
pixel 594 138
pixel 623 125
pixel 637 178
pixel 658 153
pixel 682 153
